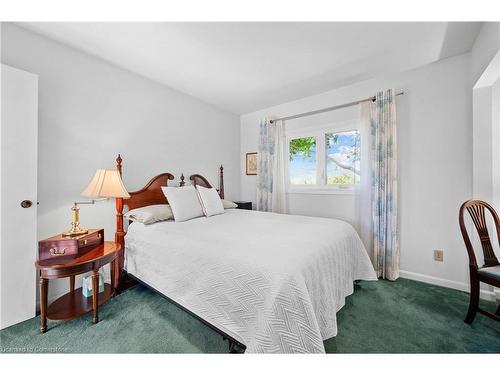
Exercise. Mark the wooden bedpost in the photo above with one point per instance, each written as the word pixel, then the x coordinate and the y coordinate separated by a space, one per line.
pixel 120 233
pixel 221 182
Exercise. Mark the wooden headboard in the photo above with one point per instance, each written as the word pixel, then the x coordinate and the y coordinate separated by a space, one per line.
pixel 202 181
pixel 150 194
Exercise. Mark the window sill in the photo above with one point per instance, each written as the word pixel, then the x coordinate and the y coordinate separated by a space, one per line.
pixel 321 190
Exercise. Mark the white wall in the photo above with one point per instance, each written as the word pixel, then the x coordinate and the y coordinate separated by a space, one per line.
pixel 435 163
pixel 89 111
pixel 482 144
pixel 484 49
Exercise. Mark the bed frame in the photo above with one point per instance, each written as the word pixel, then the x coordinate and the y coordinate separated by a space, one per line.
pixel 150 194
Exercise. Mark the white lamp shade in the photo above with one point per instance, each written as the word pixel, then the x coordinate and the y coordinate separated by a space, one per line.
pixel 106 183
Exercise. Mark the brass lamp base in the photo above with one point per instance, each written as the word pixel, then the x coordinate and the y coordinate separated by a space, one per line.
pixel 75 224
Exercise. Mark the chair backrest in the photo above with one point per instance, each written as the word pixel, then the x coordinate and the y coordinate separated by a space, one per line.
pixel 476 209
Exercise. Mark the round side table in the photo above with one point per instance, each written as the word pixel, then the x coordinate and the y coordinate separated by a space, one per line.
pixel 74 303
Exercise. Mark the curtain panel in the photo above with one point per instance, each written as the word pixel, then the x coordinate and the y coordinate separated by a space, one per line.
pixel 271 195
pixel 265 158
pixel 363 216
pixel 384 186
pixel 278 200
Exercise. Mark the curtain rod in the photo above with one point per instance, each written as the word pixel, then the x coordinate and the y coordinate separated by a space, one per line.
pixel 371 98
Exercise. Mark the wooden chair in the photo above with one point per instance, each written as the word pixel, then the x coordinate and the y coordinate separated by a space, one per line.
pixel 489 273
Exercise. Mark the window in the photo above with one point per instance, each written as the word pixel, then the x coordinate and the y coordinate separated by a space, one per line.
pixel 326 160
pixel 342 152
pixel 302 157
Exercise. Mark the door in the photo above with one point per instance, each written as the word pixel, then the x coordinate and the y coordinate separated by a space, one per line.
pixel 18 195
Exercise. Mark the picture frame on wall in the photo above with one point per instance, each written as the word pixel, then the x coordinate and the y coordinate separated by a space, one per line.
pixel 251 163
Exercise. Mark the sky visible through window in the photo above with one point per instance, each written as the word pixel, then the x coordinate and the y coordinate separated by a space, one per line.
pixel 302 167
pixel 342 160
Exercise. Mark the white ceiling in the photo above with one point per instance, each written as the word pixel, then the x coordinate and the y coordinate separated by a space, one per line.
pixel 242 67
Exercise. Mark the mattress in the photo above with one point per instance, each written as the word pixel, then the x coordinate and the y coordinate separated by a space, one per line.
pixel 274 282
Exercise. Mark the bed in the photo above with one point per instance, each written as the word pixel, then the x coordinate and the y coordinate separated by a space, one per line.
pixel 269 283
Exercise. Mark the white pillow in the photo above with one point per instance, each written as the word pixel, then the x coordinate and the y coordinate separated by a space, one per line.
pixel 150 214
pixel 184 202
pixel 210 201
pixel 228 204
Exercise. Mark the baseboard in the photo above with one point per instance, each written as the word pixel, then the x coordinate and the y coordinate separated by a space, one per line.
pixel 484 294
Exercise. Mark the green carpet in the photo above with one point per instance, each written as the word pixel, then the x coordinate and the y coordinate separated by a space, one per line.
pixel 380 317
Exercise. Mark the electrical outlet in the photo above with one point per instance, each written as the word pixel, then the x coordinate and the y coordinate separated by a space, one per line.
pixel 438 255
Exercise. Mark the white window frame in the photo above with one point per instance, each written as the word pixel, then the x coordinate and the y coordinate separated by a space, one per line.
pixel 318 132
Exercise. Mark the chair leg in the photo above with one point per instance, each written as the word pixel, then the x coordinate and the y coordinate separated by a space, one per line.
pixel 474 300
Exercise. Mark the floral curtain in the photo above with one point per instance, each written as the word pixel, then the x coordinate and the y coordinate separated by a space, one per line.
pixel 279 185
pixel 265 157
pixel 271 167
pixel 384 186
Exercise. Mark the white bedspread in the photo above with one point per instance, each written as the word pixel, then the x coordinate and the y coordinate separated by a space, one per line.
pixel 274 282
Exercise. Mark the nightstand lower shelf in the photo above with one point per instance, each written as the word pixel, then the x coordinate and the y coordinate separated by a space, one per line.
pixel 74 304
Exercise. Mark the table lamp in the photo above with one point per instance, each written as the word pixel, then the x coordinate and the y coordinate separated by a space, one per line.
pixel 105 184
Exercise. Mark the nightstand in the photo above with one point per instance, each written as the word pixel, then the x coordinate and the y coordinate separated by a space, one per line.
pixel 74 303
pixel 244 205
